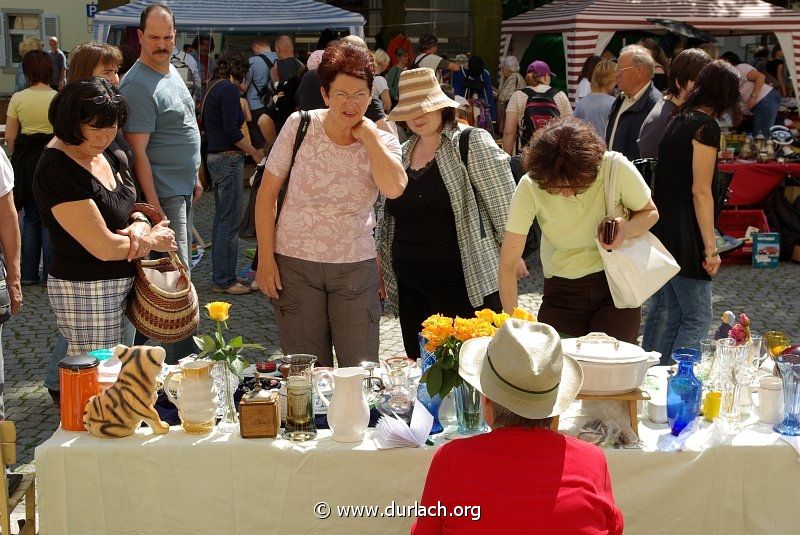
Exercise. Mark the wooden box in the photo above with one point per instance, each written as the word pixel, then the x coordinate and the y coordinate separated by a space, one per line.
pixel 258 415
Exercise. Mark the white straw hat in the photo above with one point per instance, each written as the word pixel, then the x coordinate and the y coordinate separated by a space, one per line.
pixel 419 93
pixel 523 369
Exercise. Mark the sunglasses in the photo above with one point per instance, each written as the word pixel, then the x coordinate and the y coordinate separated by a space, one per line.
pixel 103 99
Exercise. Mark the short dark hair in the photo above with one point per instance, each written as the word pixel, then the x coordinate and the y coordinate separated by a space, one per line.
pixel 685 67
pixel 347 59
pixel 717 87
pixel 73 106
pixel 203 37
pixel 731 57
pixel 427 41
pixel 224 68
pixel 37 66
pixel 400 52
pixel 588 67
pixel 260 40
pixel 566 152
pixel 149 9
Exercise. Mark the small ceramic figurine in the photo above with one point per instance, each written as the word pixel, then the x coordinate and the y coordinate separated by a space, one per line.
pixel 122 407
pixel 728 318
pixel 741 331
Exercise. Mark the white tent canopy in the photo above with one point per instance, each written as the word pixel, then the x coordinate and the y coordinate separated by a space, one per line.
pixel 589 25
pixel 256 15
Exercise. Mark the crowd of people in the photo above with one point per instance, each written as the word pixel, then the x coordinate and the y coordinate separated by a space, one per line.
pixel 374 190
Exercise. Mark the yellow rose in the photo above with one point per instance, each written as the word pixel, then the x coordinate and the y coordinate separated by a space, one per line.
pixel 482 327
pixel 436 329
pixel 500 319
pixel 462 328
pixel 485 314
pixel 218 310
pixel 521 313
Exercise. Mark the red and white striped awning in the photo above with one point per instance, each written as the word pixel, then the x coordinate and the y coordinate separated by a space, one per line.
pixel 587 24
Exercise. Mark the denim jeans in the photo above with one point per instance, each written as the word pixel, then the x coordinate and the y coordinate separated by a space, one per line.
pixel 35 244
pixel 227 174
pixel 765 112
pixel 688 306
pixel 655 318
pixel 179 212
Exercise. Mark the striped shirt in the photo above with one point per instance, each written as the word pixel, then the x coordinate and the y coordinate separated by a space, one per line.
pixel 490 178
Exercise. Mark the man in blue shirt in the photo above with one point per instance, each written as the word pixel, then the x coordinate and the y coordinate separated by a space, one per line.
pixel 257 79
pixel 162 130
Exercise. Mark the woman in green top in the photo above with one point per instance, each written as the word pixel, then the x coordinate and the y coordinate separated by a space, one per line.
pixel 564 191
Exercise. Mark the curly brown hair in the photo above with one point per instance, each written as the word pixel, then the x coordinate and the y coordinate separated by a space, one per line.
pixel 346 59
pixel 565 153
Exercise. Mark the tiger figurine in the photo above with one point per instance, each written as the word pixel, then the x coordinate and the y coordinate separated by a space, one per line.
pixel 121 408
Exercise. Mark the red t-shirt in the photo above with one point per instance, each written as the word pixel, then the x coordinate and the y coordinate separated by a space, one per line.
pixel 524 481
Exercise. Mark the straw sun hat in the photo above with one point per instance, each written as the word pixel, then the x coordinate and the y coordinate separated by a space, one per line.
pixel 419 93
pixel 523 369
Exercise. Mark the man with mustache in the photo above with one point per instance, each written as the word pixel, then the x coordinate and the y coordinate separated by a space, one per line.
pixel 162 130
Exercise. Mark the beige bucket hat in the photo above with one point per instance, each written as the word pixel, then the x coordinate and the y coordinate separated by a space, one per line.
pixel 419 93
pixel 523 369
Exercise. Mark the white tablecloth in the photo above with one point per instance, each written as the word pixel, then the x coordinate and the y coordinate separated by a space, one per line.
pixel 223 484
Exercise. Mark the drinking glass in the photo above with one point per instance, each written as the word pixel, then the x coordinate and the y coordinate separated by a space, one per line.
pixel 733 373
pixel 776 342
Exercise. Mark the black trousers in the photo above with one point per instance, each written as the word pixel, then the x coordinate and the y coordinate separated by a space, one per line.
pixel 426 288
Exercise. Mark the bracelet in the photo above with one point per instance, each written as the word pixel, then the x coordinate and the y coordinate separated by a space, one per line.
pixel 712 254
pixel 141 219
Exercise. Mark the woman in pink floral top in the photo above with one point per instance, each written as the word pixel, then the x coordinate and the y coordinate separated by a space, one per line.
pixel 317 263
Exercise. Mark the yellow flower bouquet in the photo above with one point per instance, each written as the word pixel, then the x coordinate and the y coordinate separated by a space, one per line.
pixel 444 337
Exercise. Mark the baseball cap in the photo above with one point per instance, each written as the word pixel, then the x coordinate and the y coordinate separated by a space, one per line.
pixel 540 68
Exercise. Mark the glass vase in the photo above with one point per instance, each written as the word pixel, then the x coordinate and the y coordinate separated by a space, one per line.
pixel 732 375
pixel 229 420
pixel 431 403
pixel 684 391
pixel 468 410
pixel 789 366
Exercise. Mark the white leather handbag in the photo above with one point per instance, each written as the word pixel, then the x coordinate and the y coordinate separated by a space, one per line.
pixel 641 265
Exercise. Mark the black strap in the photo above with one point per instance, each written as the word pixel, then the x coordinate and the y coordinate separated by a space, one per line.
pixel 305 120
pixel 211 86
pixel 269 68
pixel 535 95
pixel 463 149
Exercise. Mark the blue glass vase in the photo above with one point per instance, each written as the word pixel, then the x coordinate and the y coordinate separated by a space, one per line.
pixel 684 390
pixel 430 403
pixel 789 366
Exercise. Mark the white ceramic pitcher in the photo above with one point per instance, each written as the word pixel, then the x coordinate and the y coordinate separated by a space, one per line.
pixel 348 411
pixel 196 397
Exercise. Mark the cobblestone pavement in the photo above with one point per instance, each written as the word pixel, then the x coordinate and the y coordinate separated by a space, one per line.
pixel 769 296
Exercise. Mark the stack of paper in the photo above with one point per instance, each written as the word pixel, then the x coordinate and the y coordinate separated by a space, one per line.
pixel 393 432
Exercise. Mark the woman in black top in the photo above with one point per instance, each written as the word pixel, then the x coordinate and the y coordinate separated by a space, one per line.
pixel 87 203
pixel 684 193
pixel 776 68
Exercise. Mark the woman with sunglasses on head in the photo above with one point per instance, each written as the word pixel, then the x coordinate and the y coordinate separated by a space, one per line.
pixel 566 163
pixel 317 261
pixel 87 202
pixel 85 61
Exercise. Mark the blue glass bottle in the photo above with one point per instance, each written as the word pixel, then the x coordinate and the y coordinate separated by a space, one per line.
pixel 684 390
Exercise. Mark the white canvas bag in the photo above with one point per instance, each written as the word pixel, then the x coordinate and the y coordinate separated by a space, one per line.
pixel 642 265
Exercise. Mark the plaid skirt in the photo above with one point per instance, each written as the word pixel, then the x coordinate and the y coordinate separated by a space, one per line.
pixel 89 313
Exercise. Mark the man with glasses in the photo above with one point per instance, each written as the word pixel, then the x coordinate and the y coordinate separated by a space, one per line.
pixel 637 97
pixel 162 130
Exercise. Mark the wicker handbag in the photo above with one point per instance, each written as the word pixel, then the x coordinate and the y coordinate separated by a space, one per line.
pixel 160 314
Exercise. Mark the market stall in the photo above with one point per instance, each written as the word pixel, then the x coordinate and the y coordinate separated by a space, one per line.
pixel 220 483
pixel 752 182
pixel 268 17
pixel 589 25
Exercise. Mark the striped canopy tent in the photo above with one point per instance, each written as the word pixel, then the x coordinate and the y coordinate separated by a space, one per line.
pixel 257 15
pixel 588 25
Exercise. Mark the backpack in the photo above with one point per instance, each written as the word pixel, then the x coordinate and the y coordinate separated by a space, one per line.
pixel 266 93
pixel 515 163
pixel 183 69
pixel 285 104
pixel 540 109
